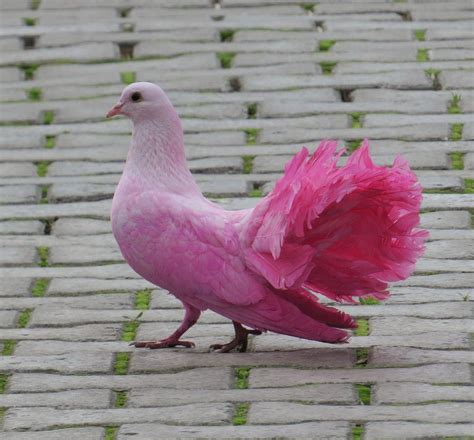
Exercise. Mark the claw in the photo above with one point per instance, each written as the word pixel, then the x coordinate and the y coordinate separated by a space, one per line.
pixel 162 344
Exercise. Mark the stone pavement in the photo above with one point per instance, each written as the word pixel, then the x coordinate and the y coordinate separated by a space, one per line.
pixel 253 80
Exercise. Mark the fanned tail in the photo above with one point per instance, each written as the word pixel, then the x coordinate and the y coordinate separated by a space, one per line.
pixel 343 232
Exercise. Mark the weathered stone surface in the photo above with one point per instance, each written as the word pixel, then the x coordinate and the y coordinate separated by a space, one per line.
pixel 446 219
pixel 21 227
pixel 326 431
pixel 92 433
pixel 10 256
pixel 15 287
pixel 413 430
pixel 99 332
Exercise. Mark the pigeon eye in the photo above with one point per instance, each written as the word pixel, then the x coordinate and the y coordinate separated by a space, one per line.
pixel 136 96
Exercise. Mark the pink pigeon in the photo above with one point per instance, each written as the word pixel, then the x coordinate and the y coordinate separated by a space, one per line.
pixel 343 232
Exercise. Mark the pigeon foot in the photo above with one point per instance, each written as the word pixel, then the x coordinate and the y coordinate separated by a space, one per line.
pixel 240 341
pixel 165 343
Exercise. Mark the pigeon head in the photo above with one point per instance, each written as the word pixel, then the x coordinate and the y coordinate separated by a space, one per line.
pixel 140 100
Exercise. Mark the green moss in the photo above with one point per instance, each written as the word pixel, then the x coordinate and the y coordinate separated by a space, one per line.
pixel 40 287
pixel 50 141
pixel 420 34
pixel 351 146
pixel 457 160
pixel 226 35
pixel 364 392
pixel 356 119
pixel 362 327
pixel 28 21
pixel 362 356
pixel 252 111
pixel 34 94
pixel 369 300
pixel 308 7
pixel 35 4
pixel 8 347
pixel 469 186
pixel 111 432
pixel 127 77
pixel 142 299
pixel 48 117
pixel 454 105
pixel 43 253
pixel 42 168
pixel 44 194
pixel 121 363
pixel 129 331
pixel 242 377
pixel 121 399
pixel 240 415
pixel 422 55
pixel 357 432
pixel 325 45
pixel 251 135
pixel 256 193
pixel 247 166
pixel 3 383
pixel 29 70
pixel 24 318
pixel 456 132
pixel 433 73
pixel 225 58
pixel 327 67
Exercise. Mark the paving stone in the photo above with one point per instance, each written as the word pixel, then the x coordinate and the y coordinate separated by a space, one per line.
pixel 457 79
pixel 63 399
pixel 447 201
pixel 446 219
pixel 17 256
pixel 18 194
pixel 197 378
pixel 450 249
pixel 440 280
pixel 390 356
pixel 17 169
pixel 73 285
pixel 15 287
pixel 439 373
pixel 424 294
pixel 406 326
pixel 7 318
pixel 79 226
pixel 92 433
pixel 83 254
pixel 156 397
pixel 409 393
pixel 286 412
pixel 378 120
pixel 326 431
pixel 41 418
pixel 24 227
pixel 413 430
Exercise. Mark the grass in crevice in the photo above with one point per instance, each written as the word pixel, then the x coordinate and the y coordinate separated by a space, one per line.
pixel 369 300
pixel 357 431
pixel 362 357
pixel 40 287
pixel 142 299
pixel 127 77
pixel 35 4
pixel 24 318
pixel 456 132
pixel 256 193
pixel 3 383
pixel 327 67
pixel 364 392
pixel 8 347
pixel 420 34
pixel 29 70
pixel 111 432
pixel 48 117
pixel 42 168
pixel 247 166
pixel 457 160
pixel 469 186
pixel 252 111
pixel 225 58
pixel 44 194
pixel 121 399
pixel 34 94
pixel 242 378
pixel 129 331
pixel 454 105
pixel 43 254
pixel 422 55
pixel 351 146
pixel 325 45
pixel 29 21
pixel 434 76
pixel 308 7
pixel 251 135
pixel 226 35
pixel 121 362
pixel 362 327
pixel 240 414
pixel 356 119
pixel 50 141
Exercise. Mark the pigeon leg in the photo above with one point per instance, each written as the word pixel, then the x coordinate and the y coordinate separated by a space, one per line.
pixel 240 340
pixel 190 318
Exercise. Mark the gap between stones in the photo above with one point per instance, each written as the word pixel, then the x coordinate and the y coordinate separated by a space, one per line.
pixel 241 409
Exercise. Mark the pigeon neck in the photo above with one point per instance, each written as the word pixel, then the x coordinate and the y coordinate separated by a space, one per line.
pixel 156 157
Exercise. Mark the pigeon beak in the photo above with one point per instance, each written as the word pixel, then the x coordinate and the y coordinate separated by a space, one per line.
pixel 115 110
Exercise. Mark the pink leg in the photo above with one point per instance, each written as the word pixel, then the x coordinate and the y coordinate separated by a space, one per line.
pixel 190 318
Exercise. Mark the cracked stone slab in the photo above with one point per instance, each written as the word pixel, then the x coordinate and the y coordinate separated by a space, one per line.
pixel 41 418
